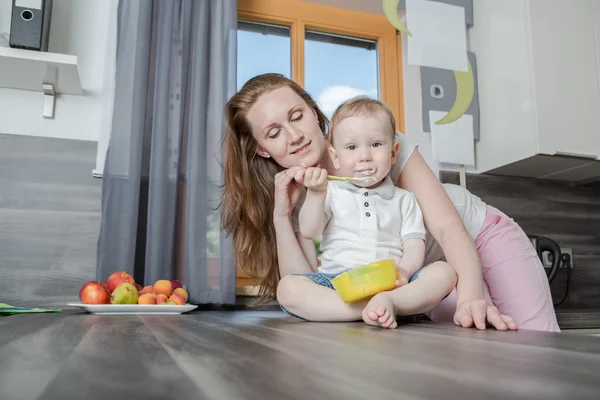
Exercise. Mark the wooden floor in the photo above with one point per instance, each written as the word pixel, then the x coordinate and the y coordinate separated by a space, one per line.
pixel 266 355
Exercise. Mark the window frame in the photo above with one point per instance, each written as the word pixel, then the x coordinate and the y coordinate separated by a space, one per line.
pixel 300 16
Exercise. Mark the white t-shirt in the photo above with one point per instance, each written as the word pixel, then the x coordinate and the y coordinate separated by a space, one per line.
pixel 471 209
pixel 366 225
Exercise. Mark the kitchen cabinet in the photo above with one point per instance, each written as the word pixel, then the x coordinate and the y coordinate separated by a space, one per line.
pixel 539 87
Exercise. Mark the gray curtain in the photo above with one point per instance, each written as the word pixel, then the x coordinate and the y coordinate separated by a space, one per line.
pixel 176 68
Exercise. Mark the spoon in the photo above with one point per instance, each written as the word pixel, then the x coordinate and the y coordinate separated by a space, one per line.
pixel 348 178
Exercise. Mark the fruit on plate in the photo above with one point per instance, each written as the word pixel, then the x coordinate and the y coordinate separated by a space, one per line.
pixel 117 278
pixel 182 292
pixel 105 285
pixel 177 298
pixel 161 299
pixel 125 293
pixel 147 289
pixel 147 298
pixel 163 287
pixel 121 288
pixel 175 283
pixel 94 292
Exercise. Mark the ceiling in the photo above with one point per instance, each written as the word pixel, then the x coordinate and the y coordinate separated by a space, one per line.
pixel 366 6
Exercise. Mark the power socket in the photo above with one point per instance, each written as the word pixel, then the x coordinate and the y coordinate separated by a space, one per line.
pixel 548 260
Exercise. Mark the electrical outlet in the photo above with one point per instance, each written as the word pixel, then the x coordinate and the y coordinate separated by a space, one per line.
pixel 566 250
pixel 548 258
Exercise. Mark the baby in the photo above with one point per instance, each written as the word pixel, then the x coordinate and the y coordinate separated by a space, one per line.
pixel 370 219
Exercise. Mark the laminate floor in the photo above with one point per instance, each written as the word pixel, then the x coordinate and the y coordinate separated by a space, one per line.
pixel 266 355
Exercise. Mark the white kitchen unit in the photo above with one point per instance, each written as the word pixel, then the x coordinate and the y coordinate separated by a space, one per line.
pixel 539 88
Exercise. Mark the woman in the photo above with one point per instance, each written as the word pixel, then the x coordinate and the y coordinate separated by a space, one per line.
pixel 274 131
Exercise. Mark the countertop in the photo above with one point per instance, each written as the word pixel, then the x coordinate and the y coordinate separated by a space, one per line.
pixel 266 355
pixel 578 318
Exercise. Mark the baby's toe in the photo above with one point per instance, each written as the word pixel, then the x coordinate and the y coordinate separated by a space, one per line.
pixel 388 322
pixel 373 314
pixel 382 311
pixel 384 316
pixel 370 317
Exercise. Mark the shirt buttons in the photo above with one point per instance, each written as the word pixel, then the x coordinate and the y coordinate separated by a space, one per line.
pixel 366 194
pixel 366 204
pixel 368 214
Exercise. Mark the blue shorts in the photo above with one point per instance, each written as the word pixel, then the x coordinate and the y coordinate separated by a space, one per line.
pixel 323 279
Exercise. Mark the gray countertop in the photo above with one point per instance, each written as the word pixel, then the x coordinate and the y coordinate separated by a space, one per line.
pixel 266 355
pixel 578 318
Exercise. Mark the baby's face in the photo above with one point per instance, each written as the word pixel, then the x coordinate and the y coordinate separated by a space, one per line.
pixel 364 146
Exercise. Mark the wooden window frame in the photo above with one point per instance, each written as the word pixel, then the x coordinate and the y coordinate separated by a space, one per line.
pixel 300 16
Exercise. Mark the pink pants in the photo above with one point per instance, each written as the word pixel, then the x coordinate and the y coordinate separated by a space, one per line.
pixel 514 277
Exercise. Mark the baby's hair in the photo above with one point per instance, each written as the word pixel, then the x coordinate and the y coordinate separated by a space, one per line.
pixel 360 106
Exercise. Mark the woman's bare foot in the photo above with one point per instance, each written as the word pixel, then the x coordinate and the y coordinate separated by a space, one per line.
pixel 380 311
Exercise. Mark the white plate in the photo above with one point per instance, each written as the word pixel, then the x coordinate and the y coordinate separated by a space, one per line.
pixel 120 309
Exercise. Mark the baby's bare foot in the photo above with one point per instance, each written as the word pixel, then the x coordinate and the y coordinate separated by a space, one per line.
pixel 380 311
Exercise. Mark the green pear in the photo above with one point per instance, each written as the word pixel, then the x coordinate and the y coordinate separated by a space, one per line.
pixel 125 293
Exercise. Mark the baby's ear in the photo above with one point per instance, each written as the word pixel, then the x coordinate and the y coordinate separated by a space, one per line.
pixel 334 157
pixel 395 149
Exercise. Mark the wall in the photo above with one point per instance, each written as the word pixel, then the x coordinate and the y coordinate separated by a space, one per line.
pixel 49 219
pixel 568 214
pixel 84 28
pixel 413 109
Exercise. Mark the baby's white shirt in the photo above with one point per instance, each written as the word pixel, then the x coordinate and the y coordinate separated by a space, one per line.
pixel 366 225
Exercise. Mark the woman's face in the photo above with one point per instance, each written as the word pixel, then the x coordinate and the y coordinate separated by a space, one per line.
pixel 286 129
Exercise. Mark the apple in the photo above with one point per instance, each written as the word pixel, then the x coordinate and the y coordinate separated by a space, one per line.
pixel 117 278
pixel 175 283
pixel 94 292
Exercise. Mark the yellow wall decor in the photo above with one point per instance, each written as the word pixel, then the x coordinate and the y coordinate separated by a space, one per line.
pixel 390 10
pixel 465 88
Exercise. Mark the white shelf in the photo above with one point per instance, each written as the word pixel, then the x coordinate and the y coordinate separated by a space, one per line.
pixel 50 73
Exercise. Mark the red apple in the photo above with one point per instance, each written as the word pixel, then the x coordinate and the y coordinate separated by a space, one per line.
pixel 94 293
pixel 138 286
pixel 175 283
pixel 117 278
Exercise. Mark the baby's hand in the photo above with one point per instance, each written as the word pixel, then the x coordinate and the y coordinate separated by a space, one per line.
pixel 315 179
pixel 402 276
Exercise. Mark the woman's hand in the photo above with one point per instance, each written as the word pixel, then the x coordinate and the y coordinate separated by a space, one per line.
pixel 476 312
pixel 287 191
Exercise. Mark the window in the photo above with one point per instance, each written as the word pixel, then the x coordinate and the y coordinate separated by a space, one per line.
pixel 351 69
pixel 262 48
pixel 335 54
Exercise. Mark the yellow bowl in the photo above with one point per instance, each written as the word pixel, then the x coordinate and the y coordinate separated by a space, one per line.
pixel 366 281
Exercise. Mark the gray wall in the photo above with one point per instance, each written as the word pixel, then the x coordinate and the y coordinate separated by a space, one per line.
pixel 568 214
pixel 49 219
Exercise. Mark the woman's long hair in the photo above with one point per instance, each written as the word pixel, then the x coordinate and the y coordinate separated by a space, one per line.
pixel 249 187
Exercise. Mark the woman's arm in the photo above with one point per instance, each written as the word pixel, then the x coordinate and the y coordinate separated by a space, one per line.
pixel 445 225
pixel 294 255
